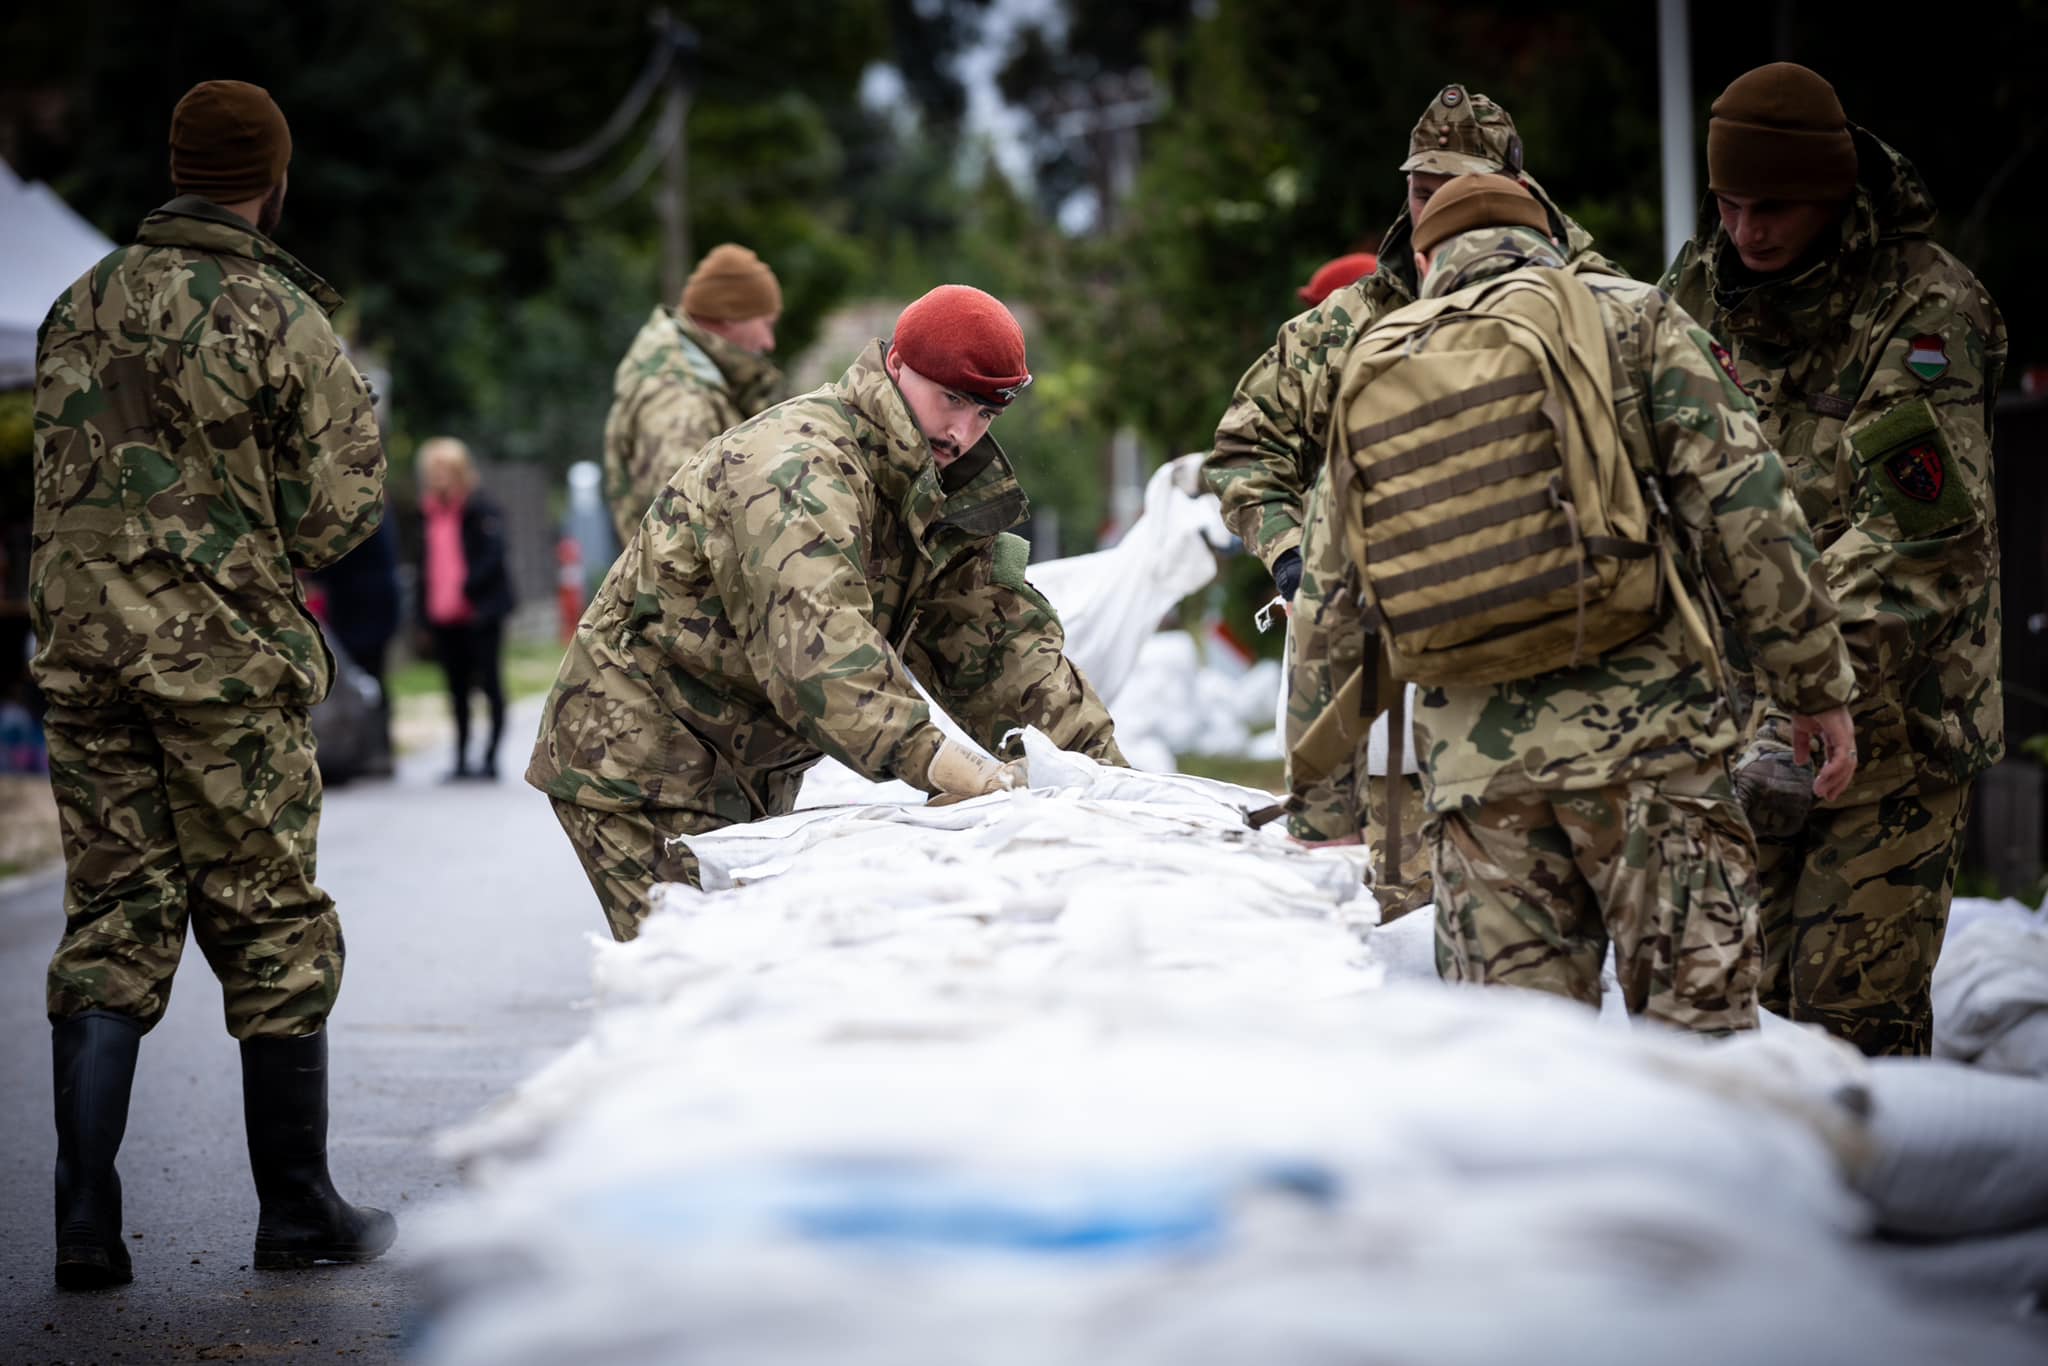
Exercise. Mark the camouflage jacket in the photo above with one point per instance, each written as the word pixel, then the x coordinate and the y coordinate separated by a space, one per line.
pixel 775 602
pixel 1875 370
pixel 678 387
pixel 200 436
pixel 1269 446
pixel 1650 706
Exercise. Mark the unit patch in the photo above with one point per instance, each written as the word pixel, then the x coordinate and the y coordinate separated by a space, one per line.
pixel 1918 471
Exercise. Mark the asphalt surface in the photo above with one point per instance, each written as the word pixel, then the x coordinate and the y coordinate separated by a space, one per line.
pixel 465 915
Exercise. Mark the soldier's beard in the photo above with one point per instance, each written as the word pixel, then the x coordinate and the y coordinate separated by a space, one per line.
pixel 272 212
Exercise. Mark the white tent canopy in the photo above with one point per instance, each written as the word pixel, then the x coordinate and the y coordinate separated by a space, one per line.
pixel 44 246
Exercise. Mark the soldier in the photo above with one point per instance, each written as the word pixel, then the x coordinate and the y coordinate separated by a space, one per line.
pixel 1332 275
pixel 777 599
pixel 690 375
pixel 200 437
pixel 1269 451
pixel 1874 358
pixel 1591 802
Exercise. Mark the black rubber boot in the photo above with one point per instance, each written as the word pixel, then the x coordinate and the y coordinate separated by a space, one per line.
pixel 284 1106
pixel 92 1066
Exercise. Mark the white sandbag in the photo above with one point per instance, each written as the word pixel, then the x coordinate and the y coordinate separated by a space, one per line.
pixel 1093 1072
pixel 1191 697
pixel 1991 992
pixel 1955 1150
pixel 1111 601
pixel 2009 1269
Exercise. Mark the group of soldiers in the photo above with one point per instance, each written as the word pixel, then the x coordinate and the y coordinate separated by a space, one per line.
pixel 1804 406
pixel 1814 380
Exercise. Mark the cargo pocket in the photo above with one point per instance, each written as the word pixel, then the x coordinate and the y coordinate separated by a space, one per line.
pixel 1704 976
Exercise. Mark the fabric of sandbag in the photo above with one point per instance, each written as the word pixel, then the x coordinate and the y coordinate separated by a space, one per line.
pixel 1956 1150
pixel 1093 1072
pixel 2009 1269
pixel 1110 601
pixel 1991 990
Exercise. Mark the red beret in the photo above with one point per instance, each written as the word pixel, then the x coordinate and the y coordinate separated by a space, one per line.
pixel 1332 276
pixel 965 339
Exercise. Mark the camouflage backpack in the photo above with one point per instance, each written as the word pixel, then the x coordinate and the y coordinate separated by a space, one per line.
pixel 1484 485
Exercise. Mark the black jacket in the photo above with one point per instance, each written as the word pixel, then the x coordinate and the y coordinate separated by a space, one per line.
pixel 487 584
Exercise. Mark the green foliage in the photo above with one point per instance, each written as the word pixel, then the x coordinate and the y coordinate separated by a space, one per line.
pixel 500 309
pixel 17 429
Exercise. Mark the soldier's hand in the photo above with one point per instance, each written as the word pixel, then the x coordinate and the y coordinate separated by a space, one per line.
pixel 957 773
pixel 1775 790
pixel 1838 737
pixel 1287 576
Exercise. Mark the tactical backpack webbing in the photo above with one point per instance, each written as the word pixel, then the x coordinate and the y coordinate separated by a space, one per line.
pixel 1324 738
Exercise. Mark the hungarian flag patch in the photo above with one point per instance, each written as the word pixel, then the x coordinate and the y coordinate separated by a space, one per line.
pixel 1928 357
pixel 1918 472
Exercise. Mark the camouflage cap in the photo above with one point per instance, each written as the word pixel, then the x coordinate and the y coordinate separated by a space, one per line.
pixel 1464 134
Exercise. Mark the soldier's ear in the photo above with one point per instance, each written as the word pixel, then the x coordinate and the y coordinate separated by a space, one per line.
pixel 1421 267
pixel 893 364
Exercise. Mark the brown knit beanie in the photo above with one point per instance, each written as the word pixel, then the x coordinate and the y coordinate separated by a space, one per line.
pixel 1471 202
pixel 729 284
pixel 1779 132
pixel 229 142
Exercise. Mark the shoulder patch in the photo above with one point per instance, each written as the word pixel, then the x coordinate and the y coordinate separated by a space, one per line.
pixel 1907 459
pixel 1928 357
pixel 1918 471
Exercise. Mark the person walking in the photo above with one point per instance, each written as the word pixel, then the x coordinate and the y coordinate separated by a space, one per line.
pixel 465 593
pixel 200 438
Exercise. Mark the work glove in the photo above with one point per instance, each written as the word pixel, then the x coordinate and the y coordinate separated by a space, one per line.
pixel 957 773
pixel 1775 790
pixel 1287 573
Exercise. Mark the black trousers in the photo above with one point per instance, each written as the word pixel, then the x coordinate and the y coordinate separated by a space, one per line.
pixel 471 656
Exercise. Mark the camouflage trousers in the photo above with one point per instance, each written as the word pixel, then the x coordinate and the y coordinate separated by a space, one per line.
pixel 624 853
pixel 1532 889
pixel 206 815
pixel 1854 908
pixel 1414 888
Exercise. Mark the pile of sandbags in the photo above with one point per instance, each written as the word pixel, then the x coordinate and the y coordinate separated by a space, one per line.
pixel 1093 1072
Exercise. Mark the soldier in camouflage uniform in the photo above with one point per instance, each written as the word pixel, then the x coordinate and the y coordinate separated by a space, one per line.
pixel 1592 803
pixel 200 437
pixel 690 375
pixel 1269 452
pixel 788 583
pixel 1874 358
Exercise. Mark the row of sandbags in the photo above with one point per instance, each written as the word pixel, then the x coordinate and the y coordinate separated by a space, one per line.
pixel 1094 1072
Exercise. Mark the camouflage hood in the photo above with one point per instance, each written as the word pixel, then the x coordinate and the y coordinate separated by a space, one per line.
pixel 670 343
pixel 201 225
pixel 1484 253
pixel 1891 204
pixel 1394 283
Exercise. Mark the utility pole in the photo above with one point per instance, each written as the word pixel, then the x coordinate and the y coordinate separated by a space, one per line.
pixel 672 202
pixel 1103 120
pixel 1674 100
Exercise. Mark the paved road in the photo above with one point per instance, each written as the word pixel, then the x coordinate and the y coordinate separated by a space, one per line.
pixel 465 914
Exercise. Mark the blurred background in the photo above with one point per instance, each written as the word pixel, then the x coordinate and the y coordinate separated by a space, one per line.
pixel 502 188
